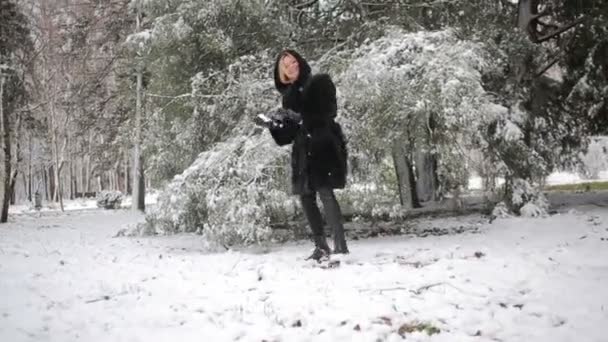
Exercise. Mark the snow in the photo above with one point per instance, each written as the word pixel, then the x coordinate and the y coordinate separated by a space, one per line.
pixel 68 205
pixel 65 277
pixel 555 178
pixel 77 204
pixel 558 178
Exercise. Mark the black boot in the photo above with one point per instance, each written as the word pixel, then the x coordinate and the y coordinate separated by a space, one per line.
pixel 321 251
pixel 339 240
pixel 334 218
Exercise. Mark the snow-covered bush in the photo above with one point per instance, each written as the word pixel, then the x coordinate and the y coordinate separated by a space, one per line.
pixel 240 184
pixel 372 186
pixel 526 199
pixel 109 199
pixel 198 55
pixel 231 194
pixel 420 90
pixel 501 210
pixel 595 160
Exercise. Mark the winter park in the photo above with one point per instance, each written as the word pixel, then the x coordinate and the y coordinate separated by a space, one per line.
pixel 303 170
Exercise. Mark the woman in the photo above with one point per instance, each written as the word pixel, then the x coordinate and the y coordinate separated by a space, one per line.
pixel 319 155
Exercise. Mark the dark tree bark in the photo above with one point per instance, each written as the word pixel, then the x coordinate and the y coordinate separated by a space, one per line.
pixel 405 177
pixel 139 185
pixel 51 182
pixel 29 170
pixel 529 20
pixel 6 152
pixel 426 167
pixel 13 183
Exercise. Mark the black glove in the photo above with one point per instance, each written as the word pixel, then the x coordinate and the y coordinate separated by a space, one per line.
pixel 288 114
pixel 277 118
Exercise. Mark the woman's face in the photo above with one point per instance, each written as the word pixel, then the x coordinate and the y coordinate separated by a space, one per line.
pixel 289 69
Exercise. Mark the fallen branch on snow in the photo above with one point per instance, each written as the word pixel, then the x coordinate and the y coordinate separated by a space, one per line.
pixel 425 288
pixel 105 297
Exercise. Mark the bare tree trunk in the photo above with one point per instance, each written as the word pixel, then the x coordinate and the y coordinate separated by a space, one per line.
pixel 13 183
pixel 426 167
pixel 117 177
pixel 29 170
pixel 18 159
pixel 57 194
pixel 86 174
pixel 52 184
pixel 25 185
pixel 412 181
pixel 99 184
pixel 80 175
pixel 138 203
pixel 405 177
pixel 47 183
pixel 526 14
pixel 6 148
pixel 126 172
pixel 73 179
pixel 87 164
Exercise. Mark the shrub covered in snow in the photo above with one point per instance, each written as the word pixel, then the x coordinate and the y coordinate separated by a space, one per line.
pixel 231 194
pixel 595 160
pixel 240 184
pixel 108 199
pixel 526 199
pixel 419 90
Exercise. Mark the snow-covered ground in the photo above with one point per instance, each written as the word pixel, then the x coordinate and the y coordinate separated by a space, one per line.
pixel 77 204
pixel 64 277
pixel 475 183
pixel 558 178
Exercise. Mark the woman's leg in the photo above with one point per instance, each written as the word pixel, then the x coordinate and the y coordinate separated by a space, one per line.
pixel 313 215
pixel 333 215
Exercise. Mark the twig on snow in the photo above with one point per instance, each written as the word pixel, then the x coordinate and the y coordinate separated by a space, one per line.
pixel 425 288
pixel 102 298
pixel 105 297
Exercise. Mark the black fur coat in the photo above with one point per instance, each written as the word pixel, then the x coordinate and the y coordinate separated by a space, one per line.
pixel 319 155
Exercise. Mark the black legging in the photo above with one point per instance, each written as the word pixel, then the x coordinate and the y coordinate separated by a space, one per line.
pixel 333 215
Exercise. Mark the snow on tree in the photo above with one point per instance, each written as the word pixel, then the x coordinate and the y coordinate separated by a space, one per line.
pixel 230 194
pixel 15 47
pixel 240 185
pixel 190 41
pixel 423 90
pixel 595 160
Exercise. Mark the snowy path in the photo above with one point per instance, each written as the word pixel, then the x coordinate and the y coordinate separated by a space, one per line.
pixel 64 278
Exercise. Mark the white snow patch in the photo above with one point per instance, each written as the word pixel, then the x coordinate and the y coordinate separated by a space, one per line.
pixel 77 204
pixel 555 178
pixel 558 178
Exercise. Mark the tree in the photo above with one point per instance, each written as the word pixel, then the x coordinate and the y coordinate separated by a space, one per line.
pixel 417 92
pixel 77 47
pixel 139 192
pixel 554 115
pixel 191 46
pixel 15 43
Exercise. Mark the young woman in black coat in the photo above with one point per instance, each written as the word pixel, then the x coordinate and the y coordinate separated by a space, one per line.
pixel 319 155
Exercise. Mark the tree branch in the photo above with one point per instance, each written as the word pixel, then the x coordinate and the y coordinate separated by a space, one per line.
pixel 561 30
pixel 305 4
pixel 544 69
